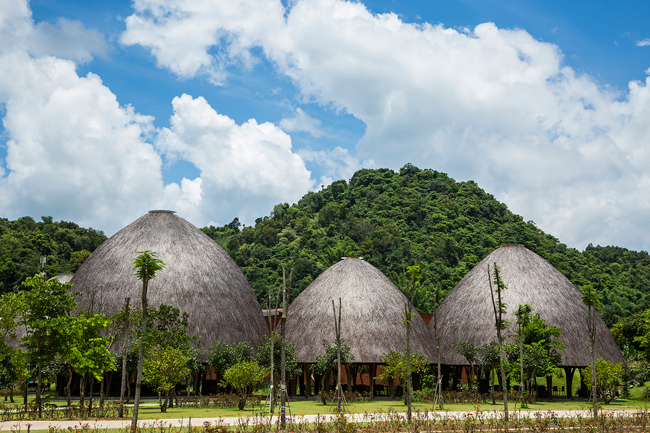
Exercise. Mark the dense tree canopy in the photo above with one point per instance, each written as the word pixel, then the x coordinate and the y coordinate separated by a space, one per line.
pixel 423 215
pixel 24 241
pixel 384 216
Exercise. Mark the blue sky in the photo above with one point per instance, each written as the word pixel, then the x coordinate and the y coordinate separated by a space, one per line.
pixel 220 109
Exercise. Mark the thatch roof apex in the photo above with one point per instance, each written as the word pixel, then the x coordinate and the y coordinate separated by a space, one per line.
pixel 199 278
pixel 63 278
pixel 372 320
pixel 468 312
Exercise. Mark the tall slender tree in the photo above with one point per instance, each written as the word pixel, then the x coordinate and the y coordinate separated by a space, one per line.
pixel 145 265
pixel 523 319
pixel 125 352
pixel 414 273
pixel 283 342
pixel 438 327
pixel 497 286
pixel 590 299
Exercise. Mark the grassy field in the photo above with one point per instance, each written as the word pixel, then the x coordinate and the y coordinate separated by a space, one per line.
pixel 299 406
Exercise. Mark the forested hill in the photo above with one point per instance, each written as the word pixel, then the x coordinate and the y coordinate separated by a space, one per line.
pixel 24 241
pixel 383 216
pixel 447 226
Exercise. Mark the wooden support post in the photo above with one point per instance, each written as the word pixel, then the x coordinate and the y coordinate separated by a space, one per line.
pixel 569 371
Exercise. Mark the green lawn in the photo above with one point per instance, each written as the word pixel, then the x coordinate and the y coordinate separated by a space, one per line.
pixel 299 406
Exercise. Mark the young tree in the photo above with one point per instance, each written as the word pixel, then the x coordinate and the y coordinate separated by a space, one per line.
pixel 222 356
pixel 163 369
pixel 87 351
pixel 47 305
pixel 272 345
pixel 472 354
pixel 326 364
pixel 608 377
pixel 122 325
pixel 489 358
pixel 498 286
pixel 414 272
pixel 145 265
pixel 523 319
pixel 590 299
pixel 438 327
pixel 395 367
pixel 11 308
pixel 542 348
pixel 283 343
pixel 243 375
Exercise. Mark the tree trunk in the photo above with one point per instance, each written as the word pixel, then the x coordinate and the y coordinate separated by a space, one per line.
pixel 307 380
pixel 90 393
pixel 407 397
pixel 38 388
pixel 102 385
pixel 522 380
pixel 68 387
pixel 82 390
pixel 492 385
pixel 372 372
pixel 128 388
pixel 11 394
pixel 322 389
pixel 25 394
pixel 138 380
pixel 283 372
pixel 242 400
pixel 125 344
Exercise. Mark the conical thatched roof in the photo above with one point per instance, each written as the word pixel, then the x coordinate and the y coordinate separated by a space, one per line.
pixel 469 314
pixel 372 319
pixel 199 278
pixel 63 278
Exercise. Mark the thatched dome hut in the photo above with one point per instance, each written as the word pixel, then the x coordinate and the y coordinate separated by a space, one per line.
pixel 372 319
pixel 62 278
pixel 199 278
pixel 469 316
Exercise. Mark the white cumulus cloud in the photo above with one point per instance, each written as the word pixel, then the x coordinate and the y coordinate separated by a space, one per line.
pixel 74 152
pixel 490 104
pixel 251 166
pixel 302 122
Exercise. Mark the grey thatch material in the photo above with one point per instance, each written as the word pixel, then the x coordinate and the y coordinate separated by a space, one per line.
pixel 469 315
pixel 199 278
pixel 372 319
pixel 63 278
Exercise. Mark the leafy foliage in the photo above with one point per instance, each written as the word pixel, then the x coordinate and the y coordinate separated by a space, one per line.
pixel 608 377
pixel 395 365
pixel 163 368
pixel 24 241
pixel 424 216
pixel 290 360
pixel 243 375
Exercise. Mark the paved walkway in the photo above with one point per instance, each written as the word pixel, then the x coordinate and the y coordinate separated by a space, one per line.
pixel 20 426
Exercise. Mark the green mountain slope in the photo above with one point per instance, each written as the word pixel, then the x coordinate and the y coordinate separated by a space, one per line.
pixel 24 241
pixel 447 226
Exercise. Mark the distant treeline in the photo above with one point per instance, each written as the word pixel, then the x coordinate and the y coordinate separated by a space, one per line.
pixel 392 217
pixel 24 241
